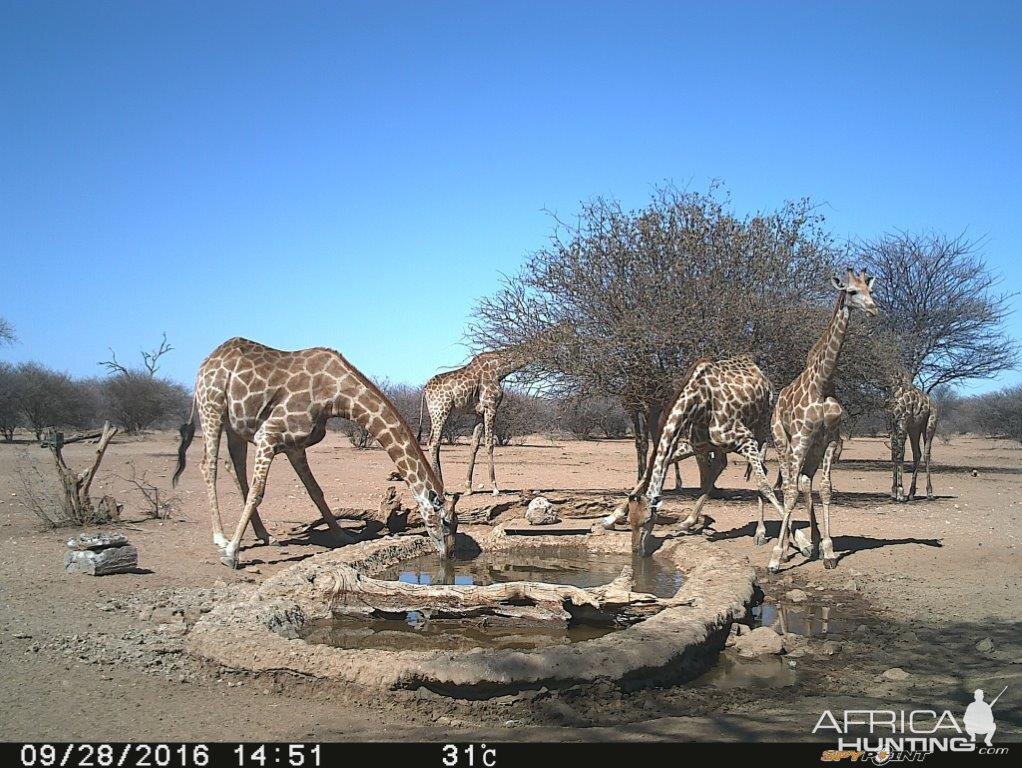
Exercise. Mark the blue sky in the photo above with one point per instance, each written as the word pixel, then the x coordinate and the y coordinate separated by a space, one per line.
pixel 357 174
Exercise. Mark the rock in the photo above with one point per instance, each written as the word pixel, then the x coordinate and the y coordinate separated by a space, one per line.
pixel 422 693
pixel 97 541
pixel 792 641
pixel 895 673
pixel 985 645
pixel 826 648
pixel 166 615
pixel 761 641
pixel 796 596
pixel 541 512
pixel 102 562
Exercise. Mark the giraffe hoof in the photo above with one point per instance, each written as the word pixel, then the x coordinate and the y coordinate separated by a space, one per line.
pixel 496 492
pixel 760 539
pixel 930 497
pixel 231 561
pixel 774 567
pixel 468 491
pixel 830 563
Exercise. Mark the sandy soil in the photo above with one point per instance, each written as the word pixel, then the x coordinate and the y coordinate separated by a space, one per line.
pixel 918 586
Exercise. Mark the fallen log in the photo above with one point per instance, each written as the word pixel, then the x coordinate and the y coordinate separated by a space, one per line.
pixel 514 603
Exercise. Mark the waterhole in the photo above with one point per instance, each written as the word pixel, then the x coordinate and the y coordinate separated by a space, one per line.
pixel 551 565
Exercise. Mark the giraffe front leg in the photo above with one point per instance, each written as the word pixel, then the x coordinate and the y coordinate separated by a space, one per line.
pixel 807 544
pixel 931 429
pixel 750 450
pixel 473 449
pixel 300 462
pixel 790 473
pixel 826 487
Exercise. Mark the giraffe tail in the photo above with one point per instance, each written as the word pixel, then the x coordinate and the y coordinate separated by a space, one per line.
pixel 422 399
pixel 187 431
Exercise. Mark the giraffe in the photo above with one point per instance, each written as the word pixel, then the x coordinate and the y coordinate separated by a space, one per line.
pixel 280 402
pixel 473 387
pixel 807 421
pixel 913 415
pixel 723 406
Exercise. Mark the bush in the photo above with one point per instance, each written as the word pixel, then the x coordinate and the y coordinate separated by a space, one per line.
pixel 137 401
pixel 47 398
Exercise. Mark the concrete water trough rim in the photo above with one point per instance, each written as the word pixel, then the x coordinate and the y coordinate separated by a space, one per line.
pixel 260 634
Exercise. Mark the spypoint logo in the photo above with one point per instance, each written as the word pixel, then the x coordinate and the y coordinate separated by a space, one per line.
pixel 894 736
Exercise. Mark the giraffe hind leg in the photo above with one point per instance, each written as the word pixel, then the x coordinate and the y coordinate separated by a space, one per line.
pixel 931 429
pixel 914 439
pixel 212 428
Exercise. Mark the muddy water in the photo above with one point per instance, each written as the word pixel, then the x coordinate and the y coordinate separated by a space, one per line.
pixel 552 565
pixel 818 621
pixel 813 621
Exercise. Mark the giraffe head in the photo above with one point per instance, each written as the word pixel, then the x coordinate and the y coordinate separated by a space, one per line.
pixel 858 291
pixel 641 517
pixel 443 534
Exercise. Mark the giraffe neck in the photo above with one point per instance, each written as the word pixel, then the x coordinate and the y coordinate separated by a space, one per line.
pixel 358 399
pixel 511 360
pixel 681 412
pixel 822 361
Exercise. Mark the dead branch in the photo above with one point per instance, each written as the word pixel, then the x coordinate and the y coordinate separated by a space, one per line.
pixel 516 602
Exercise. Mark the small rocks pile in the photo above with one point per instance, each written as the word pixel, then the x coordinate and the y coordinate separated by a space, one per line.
pixel 100 554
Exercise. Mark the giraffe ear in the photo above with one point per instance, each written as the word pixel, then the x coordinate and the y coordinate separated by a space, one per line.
pixel 836 282
pixel 869 282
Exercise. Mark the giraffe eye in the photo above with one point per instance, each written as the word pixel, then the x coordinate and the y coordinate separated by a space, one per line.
pixel 852 291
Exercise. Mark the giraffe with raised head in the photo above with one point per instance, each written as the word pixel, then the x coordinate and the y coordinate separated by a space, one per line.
pixel 280 402
pixel 807 421
pixel 722 407
pixel 473 388
pixel 913 415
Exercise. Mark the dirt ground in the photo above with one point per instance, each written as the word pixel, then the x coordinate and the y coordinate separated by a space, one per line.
pixel 933 588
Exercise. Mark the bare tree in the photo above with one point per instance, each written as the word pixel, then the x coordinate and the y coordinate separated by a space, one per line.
pixel 10 414
pixel 941 303
pixel 136 397
pixel 150 360
pixel 642 294
pixel 7 334
pixel 158 504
